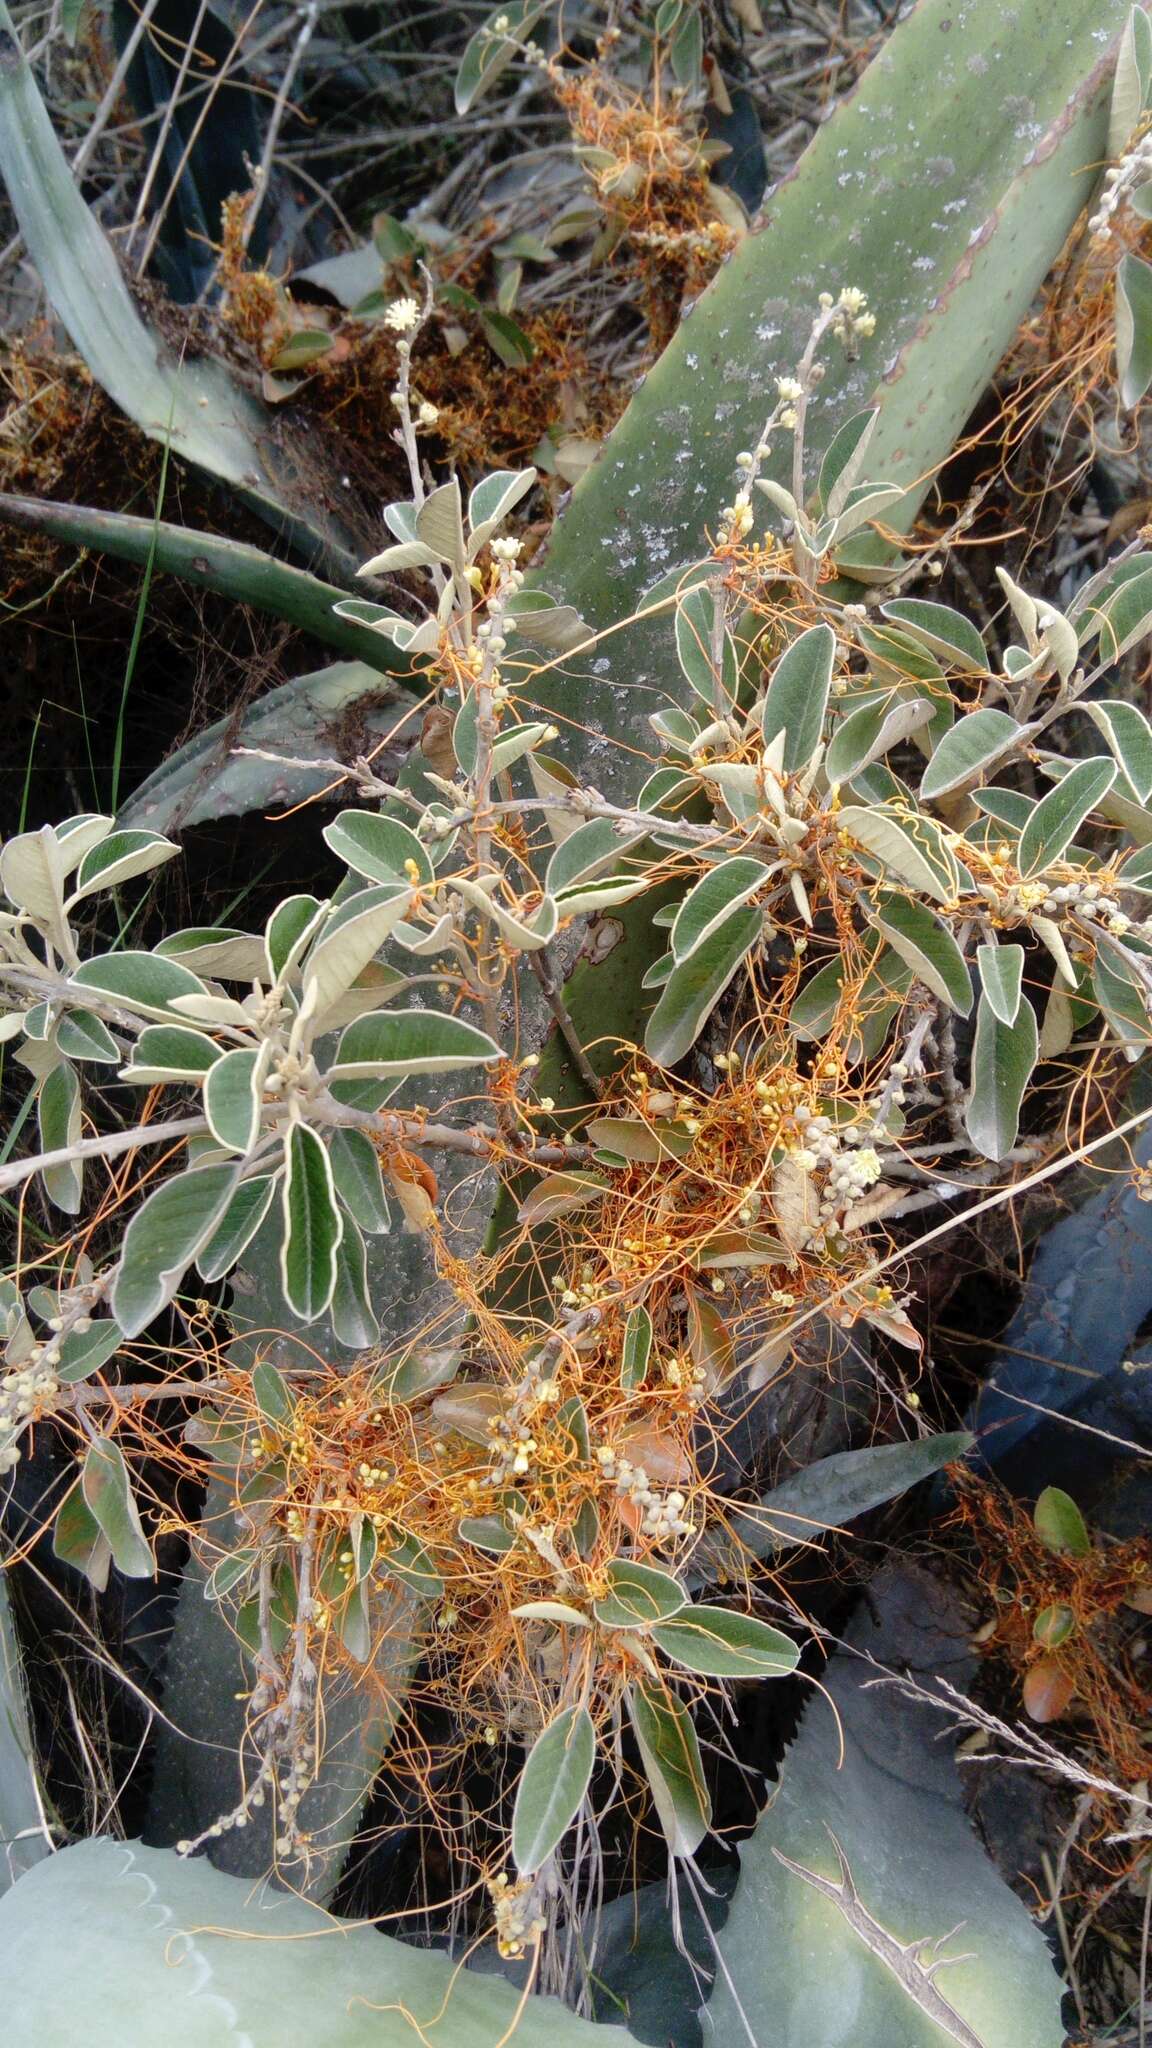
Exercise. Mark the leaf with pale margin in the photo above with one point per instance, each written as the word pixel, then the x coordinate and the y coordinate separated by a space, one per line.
pixel 1131 82
pixel 926 945
pixel 1003 1057
pixel 236 1228
pixel 313 1225
pixel 670 1754
pixel 797 696
pixel 378 848
pixel 882 835
pixel 358 1180
pixel 162 1239
pixel 399 1042
pixel 107 1490
pixel 637 1595
pixel 1001 978
pixel 1133 329
pixel 232 1096
pixel 58 1112
pixel 144 982
pixel 118 858
pixel 710 902
pixel 867 734
pixel 719 1642
pixel 696 985
pixel 843 459
pixel 1053 825
pixel 1129 735
pixel 974 744
pixel 947 634
pixel 552 1787
pixel 635 1348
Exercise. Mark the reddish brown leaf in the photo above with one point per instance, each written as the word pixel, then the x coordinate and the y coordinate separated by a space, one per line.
pixel 1048 1691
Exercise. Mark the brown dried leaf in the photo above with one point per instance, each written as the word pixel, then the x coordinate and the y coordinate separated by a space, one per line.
pixel 1048 1691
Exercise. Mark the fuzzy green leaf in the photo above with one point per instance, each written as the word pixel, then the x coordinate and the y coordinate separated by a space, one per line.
pixel 171 1052
pixel 797 696
pixel 58 1111
pixel 1129 735
pixel 696 985
pixel 1001 978
pixel 351 937
pixel 696 616
pixel 974 745
pixel 926 945
pixel 1133 329
pixel 144 982
pixel 163 1238
pixel 636 1348
pixel 232 1093
pixel 718 1642
pixel 83 1352
pixel 670 1754
pixel 81 1036
pixel 358 1180
pixel 1003 1058
pixel 118 858
pixel 353 1317
pixel 237 1227
pixel 108 1496
pixel 867 735
pixel 313 1225
pixel 399 1042
pixel 887 838
pixel 638 1594
pixel 1058 816
pixel 711 901
pixel 552 1787
pixel 944 632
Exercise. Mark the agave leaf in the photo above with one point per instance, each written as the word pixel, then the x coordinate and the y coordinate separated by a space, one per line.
pixel 232 567
pixel 950 261
pixel 206 779
pixel 864 1856
pixel 23 1837
pixel 192 407
pixel 254 1966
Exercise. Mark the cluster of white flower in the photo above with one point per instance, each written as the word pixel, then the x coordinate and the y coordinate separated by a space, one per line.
pixel 662 1514
pixel 850 1166
pixel 519 1919
pixel 736 519
pixel 402 315
pixel 1089 899
pixel 30 1390
pixel 852 1176
pixel 788 390
pixel 508 549
pixel 296 1774
pixel 513 1446
pixel 853 321
pixel 688 1378
pixel 681 241
pixel 1120 181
